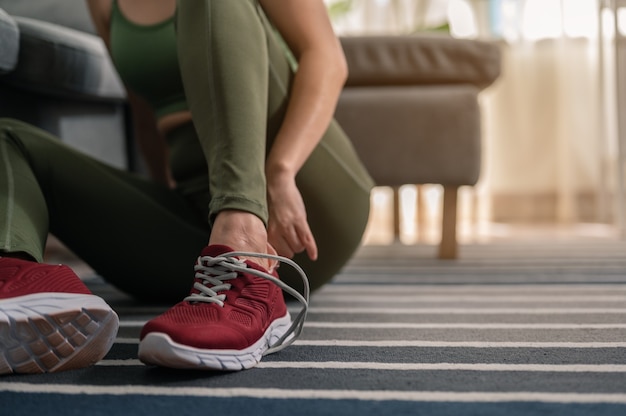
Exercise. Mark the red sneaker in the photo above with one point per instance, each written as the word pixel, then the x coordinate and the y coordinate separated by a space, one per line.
pixel 49 320
pixel 234 315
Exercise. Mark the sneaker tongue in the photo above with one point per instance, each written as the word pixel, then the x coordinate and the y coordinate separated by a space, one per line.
pixel 215 250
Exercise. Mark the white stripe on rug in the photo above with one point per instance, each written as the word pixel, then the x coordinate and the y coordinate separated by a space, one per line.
pixel 435 344
pixel 450 311
pixel 273 393
pixel 556 298
pixel 410 325
pixel 459 344
pixel 455 277
pixel 467 311
pixel 490 367
pixel 474 288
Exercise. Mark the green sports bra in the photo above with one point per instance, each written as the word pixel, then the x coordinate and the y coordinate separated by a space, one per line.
pixel 146 59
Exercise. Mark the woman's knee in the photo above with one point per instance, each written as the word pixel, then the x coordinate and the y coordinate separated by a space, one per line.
pixel 19 131
pixel 8 125
pixel 25 138
pixel 9 135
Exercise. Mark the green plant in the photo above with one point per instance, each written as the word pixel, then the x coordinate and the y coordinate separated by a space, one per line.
pixel 339 8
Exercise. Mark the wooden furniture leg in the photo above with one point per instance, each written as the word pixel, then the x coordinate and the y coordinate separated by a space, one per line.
pixel 448 246
pixel 397 212
pixel 420 213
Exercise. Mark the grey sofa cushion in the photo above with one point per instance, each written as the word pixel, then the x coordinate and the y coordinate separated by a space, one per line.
pixel 64 62
pixel 420 59
pixel 415 134
pixel 9 42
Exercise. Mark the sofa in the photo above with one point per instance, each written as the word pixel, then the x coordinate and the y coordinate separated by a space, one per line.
pixel 60 78
pixel 410 104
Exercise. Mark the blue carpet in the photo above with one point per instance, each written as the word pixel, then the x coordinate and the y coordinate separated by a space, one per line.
pixel 58 404
pixel 510 329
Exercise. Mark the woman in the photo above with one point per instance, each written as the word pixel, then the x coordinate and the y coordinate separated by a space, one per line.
pixel 243 155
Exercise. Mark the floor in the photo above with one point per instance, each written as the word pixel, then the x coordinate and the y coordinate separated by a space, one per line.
pixel 528 321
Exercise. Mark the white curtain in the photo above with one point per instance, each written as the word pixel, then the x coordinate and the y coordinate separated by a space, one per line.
pixel 549 122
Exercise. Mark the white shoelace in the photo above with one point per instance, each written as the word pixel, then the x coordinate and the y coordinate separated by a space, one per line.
pixel 214 273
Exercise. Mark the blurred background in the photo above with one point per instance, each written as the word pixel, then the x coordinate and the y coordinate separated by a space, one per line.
pixel 553 140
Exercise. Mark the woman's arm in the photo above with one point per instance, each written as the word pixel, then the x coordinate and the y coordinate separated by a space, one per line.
pixel 150 141
pixel 322 71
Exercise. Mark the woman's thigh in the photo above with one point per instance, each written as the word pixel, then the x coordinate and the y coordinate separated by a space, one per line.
pixel 139 235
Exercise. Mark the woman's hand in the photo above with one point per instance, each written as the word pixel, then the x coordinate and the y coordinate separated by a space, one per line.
pixel 322 70
pixel 288 230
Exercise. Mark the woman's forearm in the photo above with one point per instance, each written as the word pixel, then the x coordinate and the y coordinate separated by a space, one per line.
pixel 321 73
pixel 316 87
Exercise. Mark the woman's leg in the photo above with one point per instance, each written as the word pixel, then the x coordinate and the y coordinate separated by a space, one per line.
pixel 236 311
pixel 219 66
pixel 23 213
pixel 232 90
pixel 225 71
pixel 138 235
pixel 237 83
pixel 49 320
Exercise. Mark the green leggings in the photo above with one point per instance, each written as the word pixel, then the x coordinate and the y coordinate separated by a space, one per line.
pixel 143 237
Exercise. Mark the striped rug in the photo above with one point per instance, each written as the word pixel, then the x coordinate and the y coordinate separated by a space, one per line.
pixel 512 328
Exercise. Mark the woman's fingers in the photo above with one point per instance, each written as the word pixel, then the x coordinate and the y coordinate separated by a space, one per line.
pixel 293 240
pixel 307 241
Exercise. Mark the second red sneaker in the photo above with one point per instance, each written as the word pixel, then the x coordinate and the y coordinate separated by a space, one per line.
pixel 234 315
pixel 49 320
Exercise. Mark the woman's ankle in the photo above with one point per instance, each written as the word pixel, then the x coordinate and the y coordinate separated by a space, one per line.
pixel 240 230
pixel 243 231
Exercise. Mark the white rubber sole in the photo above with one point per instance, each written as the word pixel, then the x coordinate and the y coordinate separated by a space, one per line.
pixel 159 349
pixel 50 332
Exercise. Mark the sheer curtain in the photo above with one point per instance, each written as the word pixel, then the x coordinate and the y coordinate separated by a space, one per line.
pixel 550 121
pixel 551 144
pixel 355 17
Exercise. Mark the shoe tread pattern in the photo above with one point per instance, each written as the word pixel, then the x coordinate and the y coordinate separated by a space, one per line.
pixel 57 341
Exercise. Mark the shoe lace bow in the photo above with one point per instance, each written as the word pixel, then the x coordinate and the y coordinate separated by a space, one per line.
pixel 212 276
